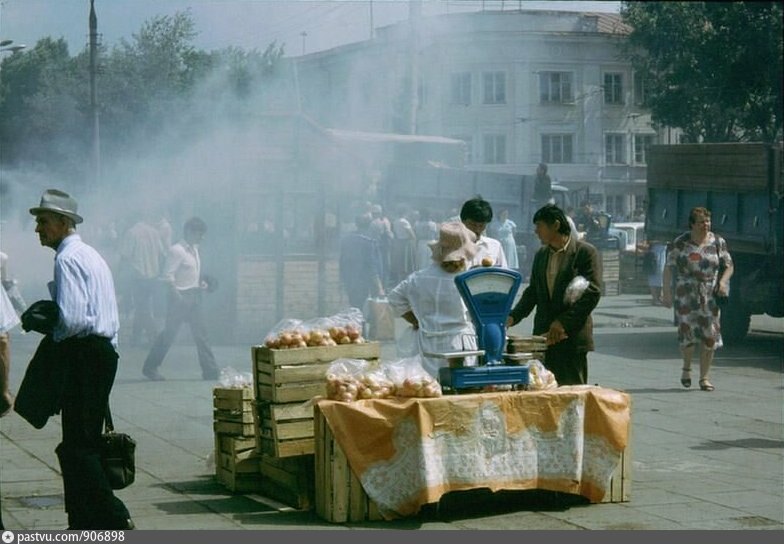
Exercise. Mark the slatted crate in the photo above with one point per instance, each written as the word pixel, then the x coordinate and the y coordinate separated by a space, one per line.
pixel 236 459
pixel 611 280
pixel 290 480
pixel 284 430
pixel 339 496
pixel 297 375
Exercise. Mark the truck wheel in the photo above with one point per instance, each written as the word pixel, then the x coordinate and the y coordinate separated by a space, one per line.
pixel 734 325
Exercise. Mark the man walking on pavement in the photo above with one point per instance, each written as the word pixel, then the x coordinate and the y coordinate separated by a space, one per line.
pixel 182 273
pixel 86 342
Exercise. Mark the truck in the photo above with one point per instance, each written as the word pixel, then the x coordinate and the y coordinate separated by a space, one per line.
pixel 741 184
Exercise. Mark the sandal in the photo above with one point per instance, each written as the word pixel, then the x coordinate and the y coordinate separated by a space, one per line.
pixel 686 378
pixel 705 385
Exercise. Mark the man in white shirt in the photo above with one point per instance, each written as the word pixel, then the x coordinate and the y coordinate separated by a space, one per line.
pixel 476 214
pixel 142 252
pixel 86 342
pixel 182 274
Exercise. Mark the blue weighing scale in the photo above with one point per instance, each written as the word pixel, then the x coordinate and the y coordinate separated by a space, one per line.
pixel 488 293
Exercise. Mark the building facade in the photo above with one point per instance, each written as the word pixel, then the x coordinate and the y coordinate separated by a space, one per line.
pixel 519 87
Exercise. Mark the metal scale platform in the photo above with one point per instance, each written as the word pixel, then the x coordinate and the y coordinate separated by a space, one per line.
pixel 488 293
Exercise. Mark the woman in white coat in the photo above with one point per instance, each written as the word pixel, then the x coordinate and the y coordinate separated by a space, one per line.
pixel 429 300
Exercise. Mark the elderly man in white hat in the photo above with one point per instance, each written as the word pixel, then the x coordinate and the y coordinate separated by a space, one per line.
pixel 429 300
pixel 86 340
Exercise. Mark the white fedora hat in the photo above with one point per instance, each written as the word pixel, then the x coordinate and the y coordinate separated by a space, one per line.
pixel 58 202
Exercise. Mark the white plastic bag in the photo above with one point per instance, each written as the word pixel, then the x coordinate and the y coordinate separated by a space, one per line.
pixel 539 378
pixel 575 289
pixel 410 378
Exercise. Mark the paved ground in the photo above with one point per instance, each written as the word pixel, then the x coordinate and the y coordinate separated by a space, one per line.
pixel 701 460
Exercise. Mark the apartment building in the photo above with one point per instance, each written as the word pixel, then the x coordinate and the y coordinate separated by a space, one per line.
pixel 519 87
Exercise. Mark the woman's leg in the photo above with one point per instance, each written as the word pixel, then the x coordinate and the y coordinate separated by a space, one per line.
pixel 688 353
pixel 706 360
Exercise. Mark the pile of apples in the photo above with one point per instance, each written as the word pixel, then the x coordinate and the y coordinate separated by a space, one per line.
pixel 349 334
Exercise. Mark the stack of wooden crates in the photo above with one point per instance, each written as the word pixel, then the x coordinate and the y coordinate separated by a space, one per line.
pixel 285 382
pixel 236 459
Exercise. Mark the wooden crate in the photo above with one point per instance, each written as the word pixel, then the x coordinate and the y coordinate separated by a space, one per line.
pixel 240 482
pixel 284 430
pixel 234 428
pixel 611 281
pixel 339 496
pixel 292 375
pixel 232 399
pixel 290 481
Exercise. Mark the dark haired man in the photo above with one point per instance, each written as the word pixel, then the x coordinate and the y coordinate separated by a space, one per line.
pixel 567 326
pixel 476 214
pixel 182 274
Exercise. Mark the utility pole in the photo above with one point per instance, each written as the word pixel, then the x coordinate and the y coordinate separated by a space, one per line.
pixel 304 35
pixel 414 19
pixel 93 24
pixel 372 30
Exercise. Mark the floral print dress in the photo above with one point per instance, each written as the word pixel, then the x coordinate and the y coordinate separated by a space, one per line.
pixel 696 270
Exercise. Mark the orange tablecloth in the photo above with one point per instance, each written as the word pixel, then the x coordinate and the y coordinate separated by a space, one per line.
pixel 409 452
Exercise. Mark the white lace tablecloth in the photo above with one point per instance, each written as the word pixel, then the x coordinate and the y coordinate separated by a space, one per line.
pixel 409 452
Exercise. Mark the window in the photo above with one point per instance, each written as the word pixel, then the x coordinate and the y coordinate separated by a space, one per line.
pixel 494 84
pixel 555 87
pixel 642 142
pixel 461 89
pixel 469 153
pixel 557 148
pixel 494 148
pixel 613 149
pixel 613 88
pixel 640 90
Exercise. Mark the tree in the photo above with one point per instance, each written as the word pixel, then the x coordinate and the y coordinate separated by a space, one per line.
pixel 39 106
pixel 713 69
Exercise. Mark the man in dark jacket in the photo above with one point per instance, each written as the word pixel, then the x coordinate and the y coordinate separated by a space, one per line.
pixel 567 326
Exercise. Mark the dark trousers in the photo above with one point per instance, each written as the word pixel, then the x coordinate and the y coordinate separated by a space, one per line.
pixel 568 368
pixel 89 500
pixel 183 308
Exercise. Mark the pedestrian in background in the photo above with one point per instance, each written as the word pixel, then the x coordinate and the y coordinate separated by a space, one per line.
pixel 505 233
pixel 701 267
pixel 85 337
pixel 141 254
pixel 360 264
pixel 567 326
pixel 182 275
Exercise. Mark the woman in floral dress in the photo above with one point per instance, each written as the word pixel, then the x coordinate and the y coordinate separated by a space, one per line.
pixel 701 267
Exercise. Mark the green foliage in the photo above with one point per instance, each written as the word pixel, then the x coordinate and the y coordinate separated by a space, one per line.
pixel 156 85
pixel 714 69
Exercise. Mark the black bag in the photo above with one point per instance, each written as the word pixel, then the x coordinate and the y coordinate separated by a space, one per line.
pixel 118 455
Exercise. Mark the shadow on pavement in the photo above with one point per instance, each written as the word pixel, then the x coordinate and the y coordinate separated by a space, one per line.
pixel 749 443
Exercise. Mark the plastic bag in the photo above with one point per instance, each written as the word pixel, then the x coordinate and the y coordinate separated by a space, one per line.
pixel 407 342
pixel 343 378
pixel 230 378
pixel 410 378
pixel 539 378
pixel 575 289
pixel 342 328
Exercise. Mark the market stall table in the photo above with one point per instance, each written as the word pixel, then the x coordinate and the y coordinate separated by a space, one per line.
pixel 386 458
